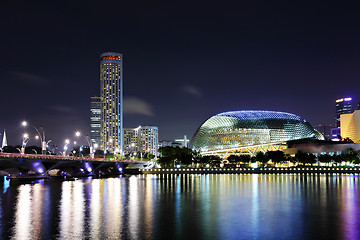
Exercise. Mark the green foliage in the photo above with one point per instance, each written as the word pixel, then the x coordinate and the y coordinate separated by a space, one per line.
pixel 16 149
pixel 245 158
pixel 261 157
pixel 305 158
pixel 233 158
pixel 209 159
pixel 180 155
pixel 347 140
pixel 275 156
pixel 325 158
pixel 150 156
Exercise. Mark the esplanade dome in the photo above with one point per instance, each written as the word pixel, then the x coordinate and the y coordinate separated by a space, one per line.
pixel 235 129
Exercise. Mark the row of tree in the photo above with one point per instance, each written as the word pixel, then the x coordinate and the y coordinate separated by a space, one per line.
pixel 171 156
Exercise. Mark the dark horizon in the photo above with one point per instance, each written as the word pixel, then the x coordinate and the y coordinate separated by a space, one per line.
pixel 183 62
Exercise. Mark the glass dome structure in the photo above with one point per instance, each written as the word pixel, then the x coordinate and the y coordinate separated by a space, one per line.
pixel 237 129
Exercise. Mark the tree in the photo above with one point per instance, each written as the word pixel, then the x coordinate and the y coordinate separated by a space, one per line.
pixel 305 158
pixel 260 157
pixel 170 155
pixel 275 156
pixel 233 158
pixel 244 158
pixel 324 158
pixel 28 149
pixel 209 159
pixel 338 159
pixel 347 140
pixel 350 155
pixel 150 156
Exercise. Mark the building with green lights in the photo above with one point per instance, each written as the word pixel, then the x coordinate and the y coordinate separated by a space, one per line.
pixel 250 131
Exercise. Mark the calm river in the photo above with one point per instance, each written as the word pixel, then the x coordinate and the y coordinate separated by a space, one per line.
pixel 183 207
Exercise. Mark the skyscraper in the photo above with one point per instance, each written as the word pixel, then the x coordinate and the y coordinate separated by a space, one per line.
pixel 111 80
pixel 95 119
pixel 343 106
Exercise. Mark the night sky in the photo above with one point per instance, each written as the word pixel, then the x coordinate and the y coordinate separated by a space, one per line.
pixel 183 61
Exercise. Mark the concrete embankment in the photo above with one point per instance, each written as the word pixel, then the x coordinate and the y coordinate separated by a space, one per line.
pixel 270 170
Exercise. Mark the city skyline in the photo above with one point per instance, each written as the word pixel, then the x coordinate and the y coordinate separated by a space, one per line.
pixel 182 66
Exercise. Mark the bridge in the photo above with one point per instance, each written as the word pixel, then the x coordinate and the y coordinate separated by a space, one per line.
pixel 14 165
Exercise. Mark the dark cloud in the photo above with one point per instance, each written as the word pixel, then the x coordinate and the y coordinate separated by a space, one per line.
pixel 134 105
pixel 194 91
pixel 63 109
pixel 29 78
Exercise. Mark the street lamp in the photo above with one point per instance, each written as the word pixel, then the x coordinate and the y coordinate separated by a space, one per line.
pixel 24 142
pixel 78 134
pixel 41 136
pixel 67 142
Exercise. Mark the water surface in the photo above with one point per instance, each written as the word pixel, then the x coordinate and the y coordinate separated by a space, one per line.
pixel 183 207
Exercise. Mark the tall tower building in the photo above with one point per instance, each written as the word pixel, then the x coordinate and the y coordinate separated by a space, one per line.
pixel 111 98
pixel 95 119
pixel 343 106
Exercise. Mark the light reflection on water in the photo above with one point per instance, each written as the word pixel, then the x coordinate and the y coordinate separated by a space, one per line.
pixel 183 207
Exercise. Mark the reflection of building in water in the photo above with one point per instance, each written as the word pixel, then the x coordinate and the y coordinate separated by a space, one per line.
pixel 29 209
pixel 133 206
pixel 72 210
pixel 95 208
pixel 149 205
pixel 113 210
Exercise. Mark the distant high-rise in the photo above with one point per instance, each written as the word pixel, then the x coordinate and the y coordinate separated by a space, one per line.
pixel 350 126
pixel 148 139
pixel 325 130
pixel 95 119
pixel 343 106
pixel 141 140
pixel 111 80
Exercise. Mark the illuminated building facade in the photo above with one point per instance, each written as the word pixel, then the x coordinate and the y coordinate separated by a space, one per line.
pixel 250 131
pixel 325 130
pixel 131 141
pixel 350 126
pixel 95 119
pixel 141 140
pixel 111 81
pixel 343 106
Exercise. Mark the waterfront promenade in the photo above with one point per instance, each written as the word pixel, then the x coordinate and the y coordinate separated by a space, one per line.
pixel 269 170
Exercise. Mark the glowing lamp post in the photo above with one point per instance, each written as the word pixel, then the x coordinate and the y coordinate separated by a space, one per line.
pixel 67 142
pixel 41 136
pixel 24 142
pixel 78 134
